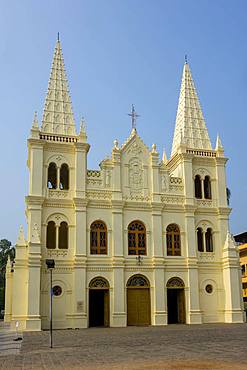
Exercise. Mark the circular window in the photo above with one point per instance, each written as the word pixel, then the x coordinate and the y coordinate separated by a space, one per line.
pixel 57 290
pixel 209 288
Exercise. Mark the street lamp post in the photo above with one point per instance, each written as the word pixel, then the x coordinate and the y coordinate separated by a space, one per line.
pixel 50 266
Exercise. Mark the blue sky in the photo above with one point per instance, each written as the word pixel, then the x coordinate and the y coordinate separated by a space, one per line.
pixel 118 53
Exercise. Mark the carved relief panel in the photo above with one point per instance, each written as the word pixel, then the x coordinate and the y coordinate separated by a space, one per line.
pixel 135 175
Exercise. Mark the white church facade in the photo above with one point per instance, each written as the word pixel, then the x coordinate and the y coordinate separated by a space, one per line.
pixel 141 241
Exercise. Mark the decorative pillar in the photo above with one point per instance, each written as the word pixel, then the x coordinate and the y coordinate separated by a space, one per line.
pixel 8 292
pixel 232 282
pixel 33 321
pixel 118 314
pixel 58 178
pixel 194 315
pixel 79 295
pixel 159 311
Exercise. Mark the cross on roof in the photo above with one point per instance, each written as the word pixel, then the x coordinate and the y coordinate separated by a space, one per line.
pixel 133 116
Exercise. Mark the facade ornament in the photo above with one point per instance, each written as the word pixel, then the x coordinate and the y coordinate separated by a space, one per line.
pixel 99 282
pixel 165 182
pixel 135 149
pixel 175 282
pixel 136 281
pixel 164 157
pixel 154 149
pixel 108 178
pixel 21 237
pixel 35 233
pixel 35 121
pixel 82 133
pixel 135 175
pixel 83 125
pixel 219 146
pixel 230 242
pixel 115 142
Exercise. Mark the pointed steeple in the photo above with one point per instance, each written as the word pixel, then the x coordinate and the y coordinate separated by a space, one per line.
pixel 58 116
pixel 190 128
pixel 219 146
pixel 164 157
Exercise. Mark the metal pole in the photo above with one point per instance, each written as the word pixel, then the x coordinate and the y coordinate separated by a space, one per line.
pixel 51 311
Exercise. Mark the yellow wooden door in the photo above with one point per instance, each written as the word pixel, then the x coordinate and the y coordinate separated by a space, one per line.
pixel 138 306
pixel 181 306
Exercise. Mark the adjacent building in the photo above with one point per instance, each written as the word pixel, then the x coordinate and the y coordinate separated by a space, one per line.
pixel 241 240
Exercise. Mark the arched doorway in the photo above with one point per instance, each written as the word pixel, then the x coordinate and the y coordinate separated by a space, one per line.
pixel 175 301
pixel 99 302
pixel 138 301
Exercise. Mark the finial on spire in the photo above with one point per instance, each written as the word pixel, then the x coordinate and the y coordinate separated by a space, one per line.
pixel 219 146
pixel 186 59
pixel 82 133
pixel 35 120
pixel 164 157
pixel 83 125
pixel 58 37
pixel 133 116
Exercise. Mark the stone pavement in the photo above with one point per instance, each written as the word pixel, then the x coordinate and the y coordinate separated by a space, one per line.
pixel 8 346
pixel 209 346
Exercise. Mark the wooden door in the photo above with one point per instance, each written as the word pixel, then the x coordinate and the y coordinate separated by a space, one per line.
pixel 138 306
pixel 181 306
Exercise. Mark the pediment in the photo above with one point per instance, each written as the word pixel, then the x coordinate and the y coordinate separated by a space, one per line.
pixel 135 147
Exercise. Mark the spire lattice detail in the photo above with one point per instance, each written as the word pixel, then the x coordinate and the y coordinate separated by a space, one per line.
pixel 58 116
pixel 190 128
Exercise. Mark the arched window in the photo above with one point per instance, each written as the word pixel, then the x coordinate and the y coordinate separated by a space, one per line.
pixel 51 235
pixel 63 236
pixel 200 239
pixel 207 188
pixel 136 238
pixel 173 240
pixel 64 177
pixel 98 238
pixel 198 187
pixel 209 240
pixel 52 176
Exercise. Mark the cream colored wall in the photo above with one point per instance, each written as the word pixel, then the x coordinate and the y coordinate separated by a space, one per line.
pixel 110 198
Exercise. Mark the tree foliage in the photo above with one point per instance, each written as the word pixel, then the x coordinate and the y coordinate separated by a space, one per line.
pixel 6 250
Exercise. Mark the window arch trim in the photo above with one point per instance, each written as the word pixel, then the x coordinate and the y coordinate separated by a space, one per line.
pixel 99 282
pixel 139 281
pixel 98 237
pixel 173 240
pixel 137 238
pixel 198 186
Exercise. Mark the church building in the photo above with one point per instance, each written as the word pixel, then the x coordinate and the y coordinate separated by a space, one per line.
pixel 143 240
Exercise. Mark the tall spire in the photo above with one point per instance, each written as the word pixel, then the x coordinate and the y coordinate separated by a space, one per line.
pixel 58 116
pixel 190 128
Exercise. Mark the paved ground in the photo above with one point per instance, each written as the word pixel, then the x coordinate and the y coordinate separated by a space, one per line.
pixel 220 346
pixel 8 345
